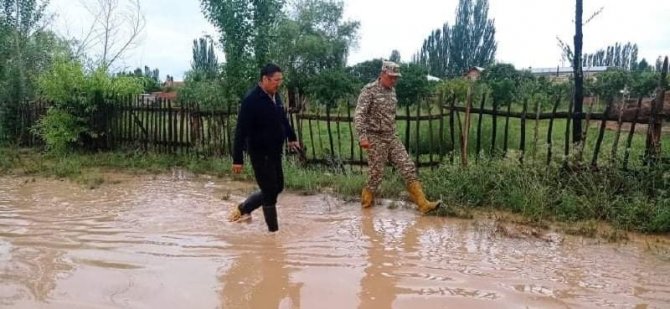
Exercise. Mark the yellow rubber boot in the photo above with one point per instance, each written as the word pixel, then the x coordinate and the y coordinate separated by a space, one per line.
pixel 367 198
pixel 419 198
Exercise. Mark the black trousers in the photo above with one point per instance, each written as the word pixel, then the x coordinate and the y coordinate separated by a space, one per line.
pixel 270 179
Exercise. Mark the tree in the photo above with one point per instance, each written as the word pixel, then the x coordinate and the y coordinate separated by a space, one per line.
pixel 413 86
pixel 332 85
pixel 206 92
pixel 203 83
pixel 76 117
pixel 434 54
pixel 618 55
pixel 578 74
pixel 472 37
pixel 366 71
pixel 395 56
pixel 150 78
pixel 247 34
pixel 643 83
pixel 114 31
pixel 643 66
pixel 575 57
pixel 204 60
pixel 313 39
pixel 504 80
pixel 26 50
pixel 452 50
pixel 611 82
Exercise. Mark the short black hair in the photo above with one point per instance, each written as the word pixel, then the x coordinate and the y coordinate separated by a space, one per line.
pixel 269 70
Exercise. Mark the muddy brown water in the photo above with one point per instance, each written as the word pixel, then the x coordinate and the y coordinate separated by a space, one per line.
pixel 162 242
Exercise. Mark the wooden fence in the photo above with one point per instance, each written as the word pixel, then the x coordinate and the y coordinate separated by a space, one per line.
pixel 435 132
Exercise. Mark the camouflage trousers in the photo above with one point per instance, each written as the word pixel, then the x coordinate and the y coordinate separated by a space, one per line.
pixel 388 148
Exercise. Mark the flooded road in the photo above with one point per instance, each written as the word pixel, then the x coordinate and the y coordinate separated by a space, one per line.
pixel 163 242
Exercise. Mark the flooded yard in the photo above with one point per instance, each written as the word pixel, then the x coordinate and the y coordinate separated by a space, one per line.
pixel 163 242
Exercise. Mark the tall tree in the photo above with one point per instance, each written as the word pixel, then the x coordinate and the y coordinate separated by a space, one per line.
pixel 115 29
pixel 313 39
pixel 395 56
pixel 643 65
pixel 451 50
pixel 434 53
pixel 619 55
pixel 366 71
pixel 575 57
pixel 472 37
pixel 247 30
pixel 204 60
pixel 578 73
pixel 26 50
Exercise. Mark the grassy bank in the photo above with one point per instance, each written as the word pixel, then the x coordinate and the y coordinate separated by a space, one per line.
pixel 634 201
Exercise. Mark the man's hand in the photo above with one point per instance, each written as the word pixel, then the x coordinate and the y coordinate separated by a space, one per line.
pixel 365 144
pixel 295 146
pixel 237 168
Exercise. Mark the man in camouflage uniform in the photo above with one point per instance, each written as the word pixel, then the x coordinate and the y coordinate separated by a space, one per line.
pixel 376 129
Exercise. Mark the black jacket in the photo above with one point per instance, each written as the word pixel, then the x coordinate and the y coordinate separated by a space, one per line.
pixel 262 126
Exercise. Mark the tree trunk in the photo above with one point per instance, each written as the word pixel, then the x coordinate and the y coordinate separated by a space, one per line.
pixel 578 75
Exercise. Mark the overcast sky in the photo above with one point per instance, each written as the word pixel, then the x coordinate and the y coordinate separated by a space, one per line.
pixel 526 30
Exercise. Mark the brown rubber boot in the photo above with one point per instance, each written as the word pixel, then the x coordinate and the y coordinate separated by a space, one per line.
pixel 367 198
pixel 419 198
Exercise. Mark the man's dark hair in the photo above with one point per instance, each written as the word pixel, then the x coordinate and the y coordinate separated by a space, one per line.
pixel 269 70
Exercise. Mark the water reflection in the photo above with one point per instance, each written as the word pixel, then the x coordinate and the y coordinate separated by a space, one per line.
pixel 259 278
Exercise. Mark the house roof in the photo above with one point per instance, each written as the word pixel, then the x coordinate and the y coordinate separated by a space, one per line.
pixel 432 78
pixel 567 70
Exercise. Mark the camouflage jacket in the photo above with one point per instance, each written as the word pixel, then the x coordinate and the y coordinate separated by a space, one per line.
pixel 375 110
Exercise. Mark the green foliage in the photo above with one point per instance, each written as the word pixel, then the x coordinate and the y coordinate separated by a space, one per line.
pixel 395 56
pixel 366 72
pixel 307 39
pixel 623 56
pixel 26 50
pixel 332 85
pixel 434 53
pixel 452 50
pixel 210 93
pixel 77 98
pixel 313 39
pixel 455 87
pixel 644 83
pixel 473 37
pixel 247 32
pixel 63 82
pixel 643 65
pixel 204 60
pixel 68 85
pixel 203 83
pixel 413 86
pixel 150 79
pixel 609 83
pixel 60 130
pixel 504 81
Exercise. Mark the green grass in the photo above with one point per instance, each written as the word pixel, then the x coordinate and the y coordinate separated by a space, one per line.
pixel 318 142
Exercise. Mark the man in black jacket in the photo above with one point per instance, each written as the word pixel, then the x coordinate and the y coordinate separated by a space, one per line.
pixel 262 128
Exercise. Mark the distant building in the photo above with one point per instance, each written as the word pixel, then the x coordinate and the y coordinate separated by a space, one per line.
pixel 565 73
pixel 474 73
pixel 168 92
